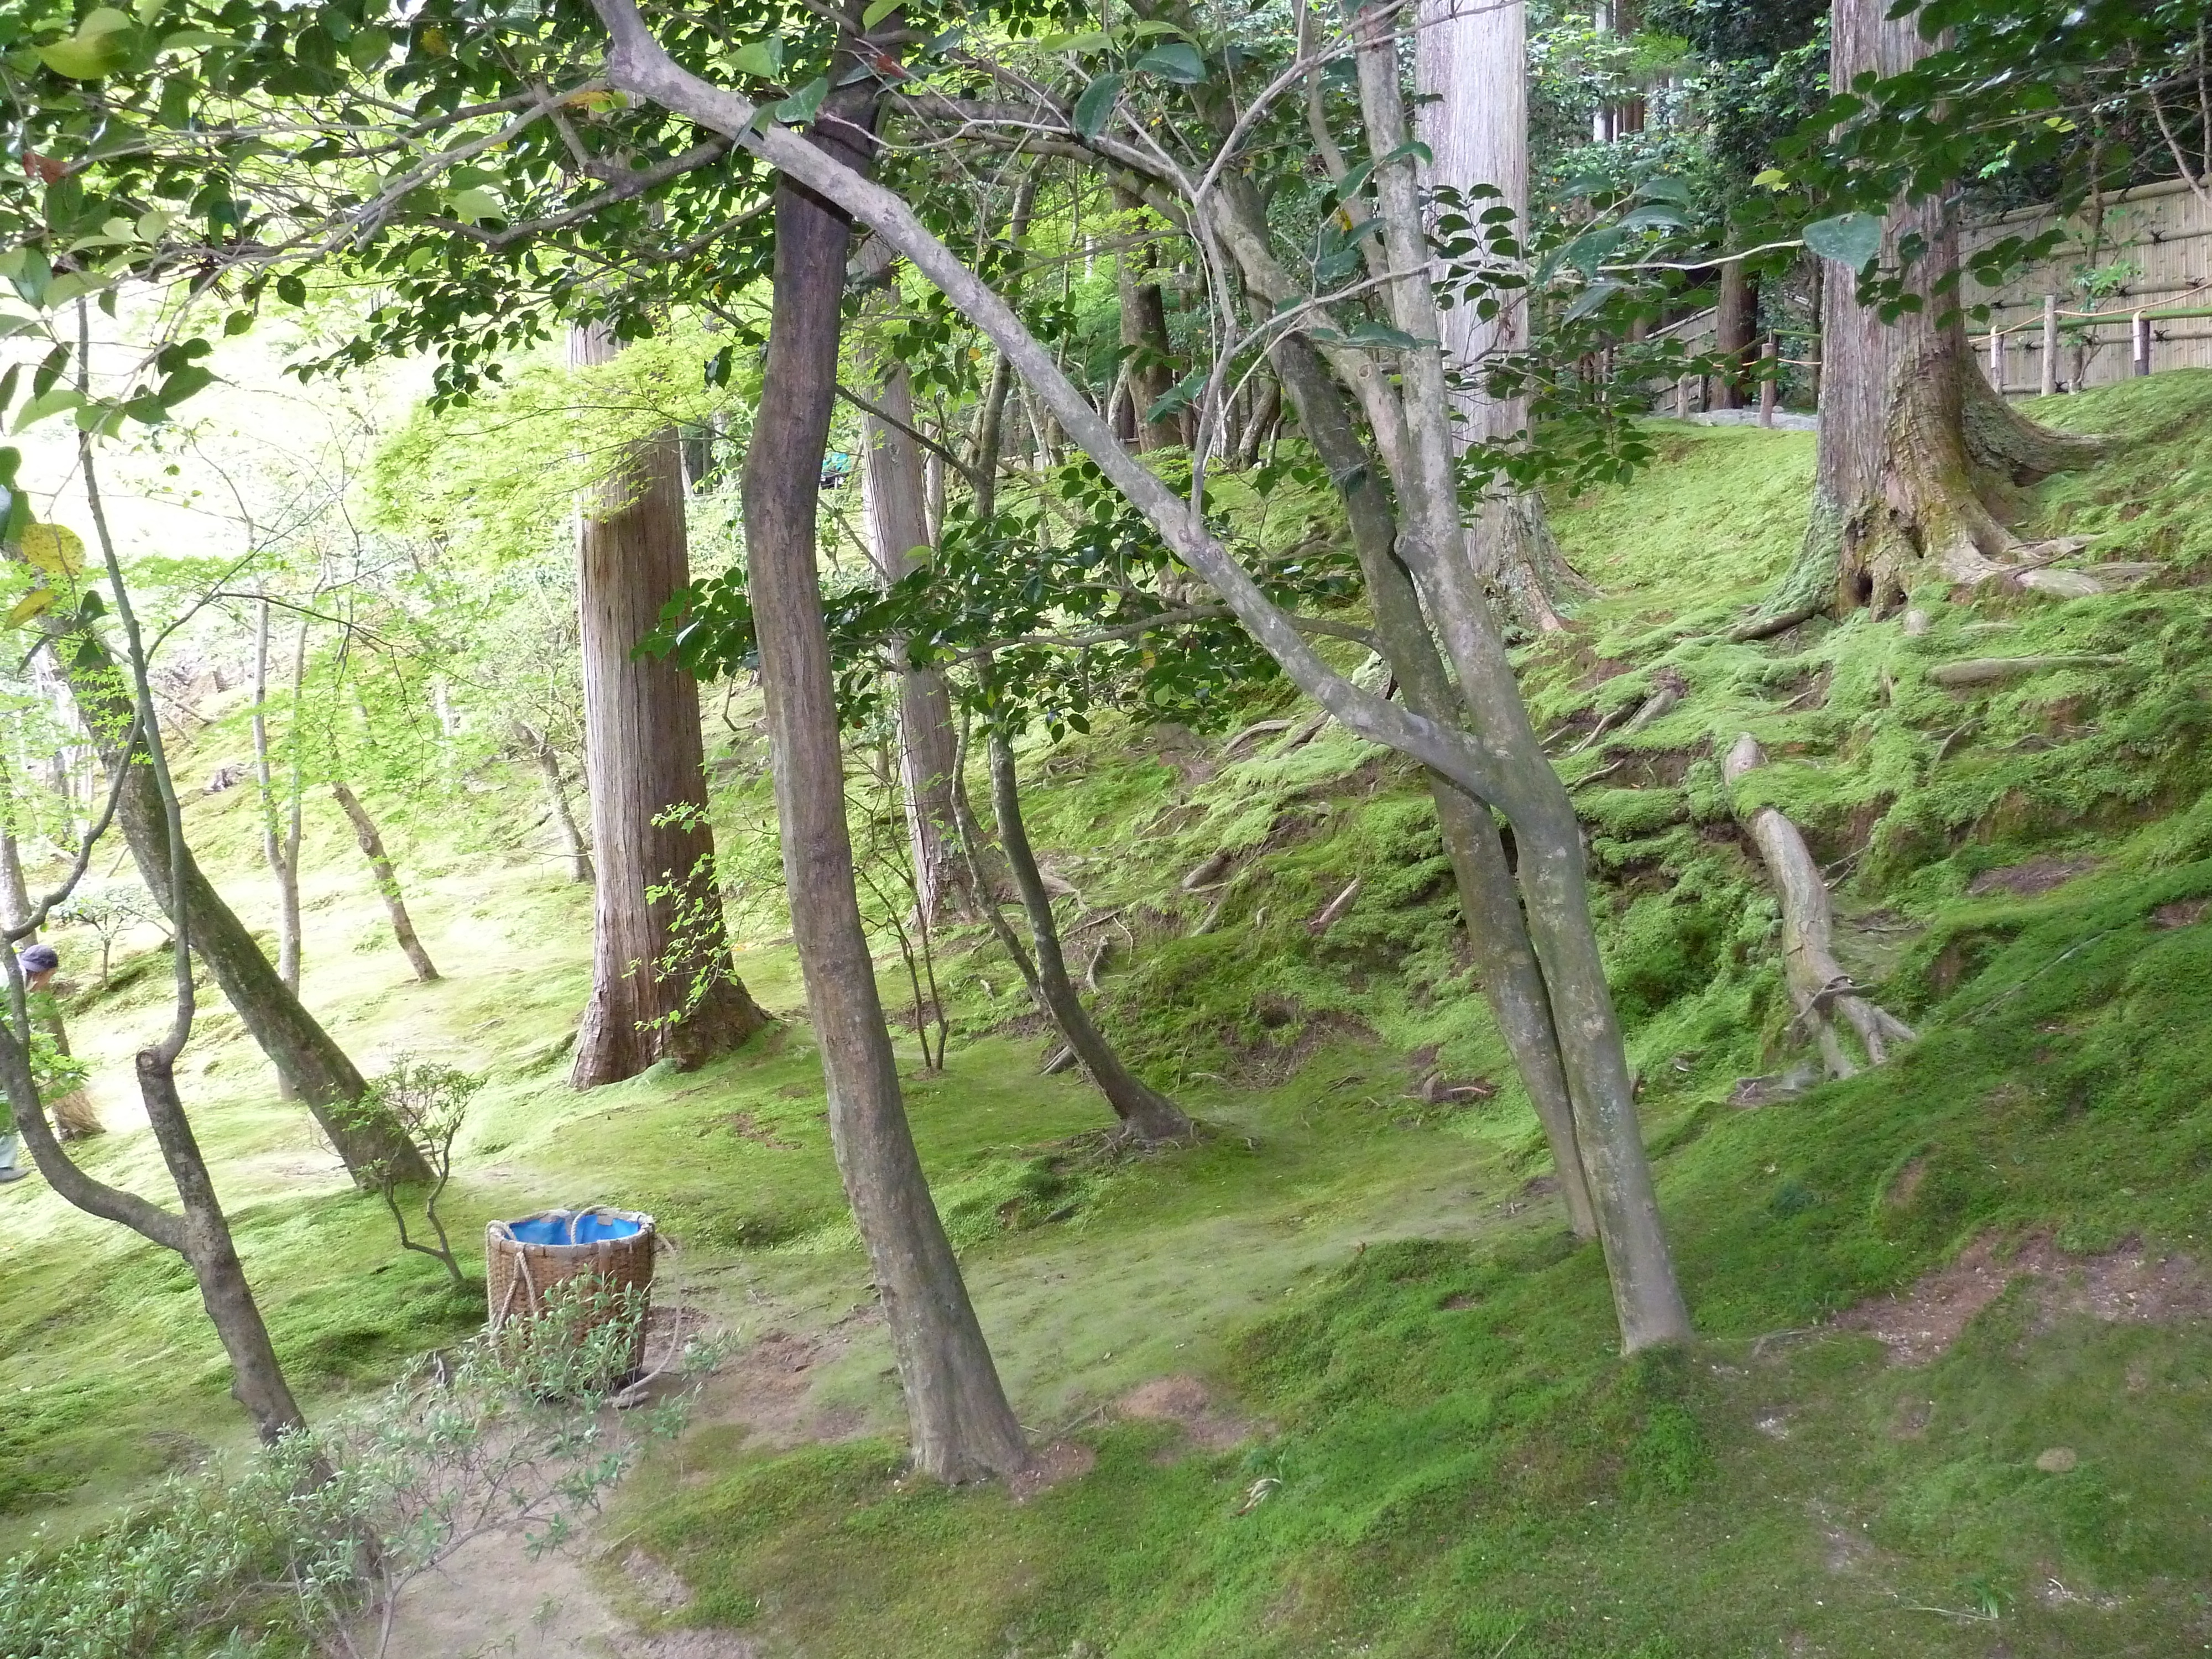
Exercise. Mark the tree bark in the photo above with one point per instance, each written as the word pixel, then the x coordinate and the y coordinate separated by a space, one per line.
pixel 1916 452
pixel 1497 930
pixel 1548 838
pixel 1736 329
pixel 548 762
pixel 1145 332
pixel 1148 1115
pixel 893 488
pixel 1819 987
pixel 280 841
pixel 1471 68
pixel 387 884
pixel 329 1083
pixel 664 985
pixel 963 1428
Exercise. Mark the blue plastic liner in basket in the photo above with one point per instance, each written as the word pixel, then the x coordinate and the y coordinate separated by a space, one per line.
pixel 578 1227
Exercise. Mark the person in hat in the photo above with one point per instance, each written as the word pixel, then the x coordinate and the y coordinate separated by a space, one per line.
pixel 72 1114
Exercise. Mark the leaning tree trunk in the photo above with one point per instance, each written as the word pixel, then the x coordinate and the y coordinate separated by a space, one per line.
pixel 1916 454
pixel 1497 931
pixel 962 1426
pixel 548 762
pixel 329 1084
pixel 1821 991
pixel 1148 1115
pixel 387 884
pixel 893 488
pixel 1471 67
pixel 662 986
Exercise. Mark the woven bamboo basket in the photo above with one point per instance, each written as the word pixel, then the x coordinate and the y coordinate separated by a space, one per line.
pixel 525 1259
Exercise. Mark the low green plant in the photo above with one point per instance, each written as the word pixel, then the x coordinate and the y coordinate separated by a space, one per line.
pixel 431 1102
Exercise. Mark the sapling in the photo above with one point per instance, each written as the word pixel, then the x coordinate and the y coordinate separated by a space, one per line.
pixel 430 1103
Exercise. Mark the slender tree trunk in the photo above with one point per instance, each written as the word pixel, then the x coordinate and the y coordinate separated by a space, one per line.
pixel 663 986
pixel 1548 836
pixel 1471 68
pixel 962 1426
pixel 387 884
pixel 328 1083
pixel 1916 453
pixel 893 488
pixel 548 762
pixel 1145 333
pixel 1497 931
pixel 281 857
pixel 1148 1115
pixel 1735 329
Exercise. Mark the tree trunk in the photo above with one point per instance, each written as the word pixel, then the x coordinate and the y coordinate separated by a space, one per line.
pixel 548 762
pixel 1148 1115
pixel 1471 67
pixel 1552 876
pixel 279 853
pixel 962 1426
pixel 1497 931
pixel 893 488
pixel 1735 329
pixel 256 1381
pixel 329 1083
pixel 1145 332
pixel 1916 454
pixel 663 986
pixel 387 884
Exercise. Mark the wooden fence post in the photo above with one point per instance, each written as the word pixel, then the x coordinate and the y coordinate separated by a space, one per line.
pixel 2141 331
pixel 1769 387
pixel 1996 358
pixel 2050 344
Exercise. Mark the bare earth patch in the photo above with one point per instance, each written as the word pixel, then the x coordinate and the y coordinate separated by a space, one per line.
pixel 2127 1284
pixel 2036 875
pixel 1064 1460
pixel 1184 1401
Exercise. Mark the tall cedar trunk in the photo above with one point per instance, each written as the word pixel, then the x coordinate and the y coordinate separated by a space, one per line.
pixel 548 762
pixel 898 531
pixel 328 1083
pixel 1497 931
pixel 1916 454
pixel 1735 329
pixel 387 884
pixel 1551 871
pixel 1148 1115
pixel 1144 333
pixel 962 1426
pixel 1471 68
pixel 662 984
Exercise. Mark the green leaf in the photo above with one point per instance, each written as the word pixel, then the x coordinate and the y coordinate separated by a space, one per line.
pixel 291 290
pixel 1173 61
pixel 1772 179
pixel 1093 41
pixel 1591 298
pixel 102 43
pixel 476 204
pixel 8 385
pixel 1849 239
pixel 763 59
pixel 1096 106
pixel 878 11
pixel 1663 189
pixel 51 402
pixel 1176 396
pixel 1380 335
pixel 799 107
pixel 1653 218
pixel 182 385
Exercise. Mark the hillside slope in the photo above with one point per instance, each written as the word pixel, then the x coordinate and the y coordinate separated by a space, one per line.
pixel 1337 1380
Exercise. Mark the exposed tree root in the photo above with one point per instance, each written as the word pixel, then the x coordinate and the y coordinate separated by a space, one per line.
pixel 1818 987
pixel 1994 671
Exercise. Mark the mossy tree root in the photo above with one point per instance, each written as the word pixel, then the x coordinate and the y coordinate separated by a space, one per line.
pixel 1822 993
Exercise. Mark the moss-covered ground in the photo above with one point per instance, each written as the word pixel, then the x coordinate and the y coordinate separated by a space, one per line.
pixel 1421 1443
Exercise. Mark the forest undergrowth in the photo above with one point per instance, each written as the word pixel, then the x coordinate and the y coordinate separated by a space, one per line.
pixel 1336 1379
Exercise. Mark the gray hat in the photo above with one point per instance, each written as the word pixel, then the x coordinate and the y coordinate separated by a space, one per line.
pixel 39 958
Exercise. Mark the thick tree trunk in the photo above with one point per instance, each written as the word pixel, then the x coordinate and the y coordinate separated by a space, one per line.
pixel 1145 333
pixel 387 884
pixel 329 1083
pixel 1497 931
pixel 1736 329
pixel 1552 876
pixel 1819 987
pixel 898 530
pixel 1471 68
pixel 547 759
pixel 1148 1115
pixel 663 986
pixel 962 1426
pixel 1916 452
